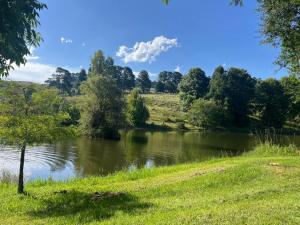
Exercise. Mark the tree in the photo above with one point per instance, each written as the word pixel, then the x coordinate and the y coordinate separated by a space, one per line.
pixel 143 82
pixel 98 63
pixel 169 81
pixel 291 86
pixel 137 112
pixel 82 76
pixel 103 112
pixel 233 89
pixel 26 118
pixel 159 87
pixel 206 114
pixel 271 103
pixel 193 86
pixel 62 80
pixel 18 21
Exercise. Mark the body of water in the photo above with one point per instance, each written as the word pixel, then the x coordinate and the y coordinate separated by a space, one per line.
pixel 83 157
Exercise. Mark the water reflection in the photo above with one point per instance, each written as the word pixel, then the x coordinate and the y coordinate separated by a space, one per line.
pixel 137 149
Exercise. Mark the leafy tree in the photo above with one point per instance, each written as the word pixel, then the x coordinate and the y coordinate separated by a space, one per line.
pixel 103 66
pixel 169 81
pixel 206 114
pixel 271 103
pixel 98 64
pixel 28 117
pixel 233 89
pixel 18 21
pixel 137 112
pixel 128 79
pixel 280 28
pixel 103 109
pixel 143 82
pixel 291 86
pixel 62 80
pixel 82 76
pixel 193 86
pixel 159 87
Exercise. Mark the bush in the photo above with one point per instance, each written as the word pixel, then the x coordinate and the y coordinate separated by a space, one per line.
pixel 137 112
pixel 206 114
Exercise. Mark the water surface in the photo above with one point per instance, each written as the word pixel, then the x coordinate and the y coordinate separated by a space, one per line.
pixel 83 157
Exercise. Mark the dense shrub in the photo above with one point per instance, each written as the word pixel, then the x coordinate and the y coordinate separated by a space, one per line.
pixel 137 112
pixel 206 114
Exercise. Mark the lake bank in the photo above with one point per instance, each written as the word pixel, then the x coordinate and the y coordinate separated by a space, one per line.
pixel 257 188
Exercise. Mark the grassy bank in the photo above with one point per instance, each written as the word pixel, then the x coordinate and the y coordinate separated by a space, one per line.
pixel 261 187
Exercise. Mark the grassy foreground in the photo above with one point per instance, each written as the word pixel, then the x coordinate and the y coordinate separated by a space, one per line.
pixel 257 188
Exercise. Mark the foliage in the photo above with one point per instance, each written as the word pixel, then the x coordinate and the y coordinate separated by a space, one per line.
pixel 103 109
pixel 168 82
pixel 29 117
pixel 291 85
pixel 233 89
pixel 143 81
pixel 206 114
pixel 271 103
pixel 100 65
pixel 280 27
pixel 193 86
pixel 68 83
pixel 137 112
pixel 18 21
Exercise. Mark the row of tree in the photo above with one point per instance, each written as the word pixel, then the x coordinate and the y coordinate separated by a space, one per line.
pixel 231 97
pixel 69 83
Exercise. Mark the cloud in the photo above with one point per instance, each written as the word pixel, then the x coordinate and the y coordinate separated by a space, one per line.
pixel 83 44
pixel 177 69
pixel 32 71
pixel 35 72
pixel 146 51
pixel 65 40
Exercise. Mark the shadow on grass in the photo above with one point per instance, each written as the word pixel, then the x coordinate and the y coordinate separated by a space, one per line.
pixel 88 207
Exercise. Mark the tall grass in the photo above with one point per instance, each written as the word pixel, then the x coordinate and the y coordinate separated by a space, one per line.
pixel 6 177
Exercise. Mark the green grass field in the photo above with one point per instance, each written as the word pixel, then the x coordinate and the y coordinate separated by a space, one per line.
pixel 166 110
pixel 261 187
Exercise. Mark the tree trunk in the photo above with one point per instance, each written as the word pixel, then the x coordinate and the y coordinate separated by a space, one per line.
pixel 21 171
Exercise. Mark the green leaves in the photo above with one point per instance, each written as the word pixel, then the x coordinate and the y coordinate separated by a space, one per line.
pixel 18 21
pixel 137 112
pixel 31 115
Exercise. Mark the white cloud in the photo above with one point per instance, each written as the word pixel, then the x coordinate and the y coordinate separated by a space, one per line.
pixel 146 51
pixel 32 71
pixel 66 40
pixel 177 69
pixel 35 72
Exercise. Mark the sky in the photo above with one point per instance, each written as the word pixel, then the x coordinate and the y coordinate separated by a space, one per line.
pixel 145 34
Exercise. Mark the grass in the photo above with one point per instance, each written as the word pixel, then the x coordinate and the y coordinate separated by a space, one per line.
pixel 261 187
pixel 166 111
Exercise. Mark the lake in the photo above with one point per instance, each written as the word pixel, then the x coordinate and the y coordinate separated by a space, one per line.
pixel 83 157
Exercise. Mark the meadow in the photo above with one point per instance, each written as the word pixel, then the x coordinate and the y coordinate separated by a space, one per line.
pixel 260 187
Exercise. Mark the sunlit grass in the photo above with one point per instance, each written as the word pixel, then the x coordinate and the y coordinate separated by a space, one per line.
pixel 261 187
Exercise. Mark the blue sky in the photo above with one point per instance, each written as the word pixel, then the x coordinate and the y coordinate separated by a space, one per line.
pixel 153 36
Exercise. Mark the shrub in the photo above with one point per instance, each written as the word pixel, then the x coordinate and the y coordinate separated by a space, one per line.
pixel 137 112
pixel 206 114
